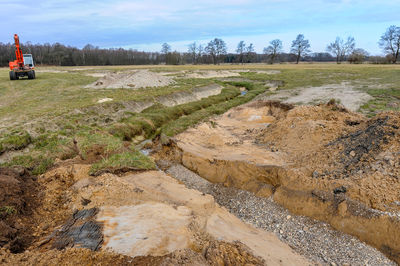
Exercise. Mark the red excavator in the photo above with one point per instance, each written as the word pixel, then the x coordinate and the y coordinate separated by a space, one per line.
pixel 23 66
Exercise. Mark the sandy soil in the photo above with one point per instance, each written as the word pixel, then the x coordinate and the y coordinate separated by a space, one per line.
pixel 132 80
pixel 321 161
pixel 212 74
pixel 347 95
pixel 145 214
pixel 214 253
pixel 98 75
pixel 225 73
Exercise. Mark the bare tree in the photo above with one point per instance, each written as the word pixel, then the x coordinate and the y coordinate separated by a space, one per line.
pixel 300 47
pixel 165 48
pixel 216 48
pixel 273 50
pixel 390 42
pixel 240 50
pixel 200 52
pixel 358 56
pixel 192 50
pixel 341 49
pixel 250 54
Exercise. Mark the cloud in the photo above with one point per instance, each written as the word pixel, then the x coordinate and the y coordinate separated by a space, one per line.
pixel 128 23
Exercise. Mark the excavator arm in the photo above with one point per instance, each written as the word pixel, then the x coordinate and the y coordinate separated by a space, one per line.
pixel 19 63
pixel 18 52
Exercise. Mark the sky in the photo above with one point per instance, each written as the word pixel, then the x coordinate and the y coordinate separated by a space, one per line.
pixel 146 24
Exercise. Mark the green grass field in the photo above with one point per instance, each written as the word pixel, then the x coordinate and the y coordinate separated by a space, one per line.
pixel 40 119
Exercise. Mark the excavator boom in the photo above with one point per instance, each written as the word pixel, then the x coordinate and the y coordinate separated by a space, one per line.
pixel 18 52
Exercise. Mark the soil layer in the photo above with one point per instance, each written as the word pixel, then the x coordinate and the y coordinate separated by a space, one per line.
pixel 321 161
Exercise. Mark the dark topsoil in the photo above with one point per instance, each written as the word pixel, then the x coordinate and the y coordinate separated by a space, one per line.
pixel 18 200
pixel 360 149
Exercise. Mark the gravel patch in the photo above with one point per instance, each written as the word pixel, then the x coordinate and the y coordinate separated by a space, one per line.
pixel 313 239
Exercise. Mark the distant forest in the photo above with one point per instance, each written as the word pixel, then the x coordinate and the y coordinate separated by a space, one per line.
pixel 215 52
pixel 61 55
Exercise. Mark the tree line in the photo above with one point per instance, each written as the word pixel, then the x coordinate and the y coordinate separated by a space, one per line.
pixel 214 52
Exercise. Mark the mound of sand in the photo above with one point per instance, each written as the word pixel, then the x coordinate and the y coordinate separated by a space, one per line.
pixel 132 80
pixel 330 147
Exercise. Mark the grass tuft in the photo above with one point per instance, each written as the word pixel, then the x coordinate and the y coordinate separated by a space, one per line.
pixel 7 210
pixel 130 160
pixel 15 141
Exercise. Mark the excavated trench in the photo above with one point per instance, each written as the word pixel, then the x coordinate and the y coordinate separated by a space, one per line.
pixel 322 161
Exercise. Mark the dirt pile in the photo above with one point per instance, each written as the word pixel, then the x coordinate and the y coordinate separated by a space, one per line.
pixel 375 143
pixel 321 161
pixel 329 147
pixel 132 80
pixel 18 199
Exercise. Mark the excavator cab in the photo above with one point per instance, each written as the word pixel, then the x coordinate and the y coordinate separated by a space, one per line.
pixel 28 60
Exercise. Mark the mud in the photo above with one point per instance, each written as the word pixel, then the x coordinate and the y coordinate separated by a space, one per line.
pixel 321 161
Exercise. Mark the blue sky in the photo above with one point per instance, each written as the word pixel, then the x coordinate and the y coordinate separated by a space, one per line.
pixel 145 25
